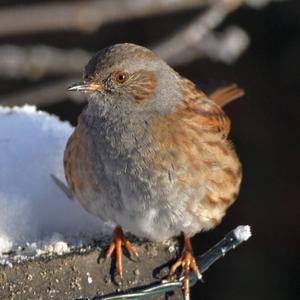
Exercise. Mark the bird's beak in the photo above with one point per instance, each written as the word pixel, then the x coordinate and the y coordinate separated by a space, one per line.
pixel 86 87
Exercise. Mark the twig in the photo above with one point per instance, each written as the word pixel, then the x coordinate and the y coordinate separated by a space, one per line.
pixel 45 94
pixel 84 15
pixel 40 60
pixel 229 242
pixel 195 31
pixel 226 47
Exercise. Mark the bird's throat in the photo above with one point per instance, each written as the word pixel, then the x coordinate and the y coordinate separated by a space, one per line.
pixel 124 130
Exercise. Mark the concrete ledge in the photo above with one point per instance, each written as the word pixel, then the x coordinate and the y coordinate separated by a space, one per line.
pixel 79 275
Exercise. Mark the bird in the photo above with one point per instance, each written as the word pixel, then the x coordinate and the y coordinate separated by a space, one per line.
pixel 150 153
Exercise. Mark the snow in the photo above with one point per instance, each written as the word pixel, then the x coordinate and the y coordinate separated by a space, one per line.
pixel 36 217
pixel 242 232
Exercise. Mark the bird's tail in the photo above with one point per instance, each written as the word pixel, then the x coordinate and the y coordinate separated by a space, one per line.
pixel 226 94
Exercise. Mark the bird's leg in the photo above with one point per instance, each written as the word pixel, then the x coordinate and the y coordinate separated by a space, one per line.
pixel 116 245
pixel 187 262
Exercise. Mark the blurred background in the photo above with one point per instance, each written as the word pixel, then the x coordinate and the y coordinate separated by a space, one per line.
pixel 255 43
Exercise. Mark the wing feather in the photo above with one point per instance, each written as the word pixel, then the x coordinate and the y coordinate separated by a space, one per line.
pixel 204 110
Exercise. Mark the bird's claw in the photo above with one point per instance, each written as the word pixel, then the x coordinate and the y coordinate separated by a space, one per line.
pixel 116 245
pixel 188 263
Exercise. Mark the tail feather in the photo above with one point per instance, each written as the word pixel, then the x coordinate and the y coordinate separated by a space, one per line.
pixel 224 95
pixel 63 187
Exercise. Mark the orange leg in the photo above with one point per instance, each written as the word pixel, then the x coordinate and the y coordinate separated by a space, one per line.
pixel 187 262
pixel 116 245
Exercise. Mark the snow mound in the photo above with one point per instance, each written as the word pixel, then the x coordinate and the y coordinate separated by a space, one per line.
pixel 35 214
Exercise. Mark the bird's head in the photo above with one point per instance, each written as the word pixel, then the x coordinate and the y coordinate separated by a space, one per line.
pixel 131 78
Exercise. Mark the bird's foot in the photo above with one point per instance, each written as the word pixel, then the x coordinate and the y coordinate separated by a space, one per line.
pixel 188 263
pixel 116 245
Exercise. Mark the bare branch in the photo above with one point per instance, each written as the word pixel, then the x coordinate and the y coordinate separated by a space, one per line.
pixel 226 47
pixel 38 61
pixel 49 93
pixel 195 31
pixel 84 15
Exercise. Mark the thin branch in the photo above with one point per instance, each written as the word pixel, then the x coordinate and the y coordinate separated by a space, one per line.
pixel 37 61
pixel 225 46
pixel 196 30
pixel 84 15
pixel 45 94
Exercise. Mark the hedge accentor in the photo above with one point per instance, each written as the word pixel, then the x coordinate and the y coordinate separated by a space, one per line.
pixel 150 152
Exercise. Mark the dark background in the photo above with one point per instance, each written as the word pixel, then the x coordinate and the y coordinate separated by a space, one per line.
pixel 265 132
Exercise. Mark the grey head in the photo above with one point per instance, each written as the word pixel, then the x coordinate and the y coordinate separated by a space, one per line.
pixel 127 79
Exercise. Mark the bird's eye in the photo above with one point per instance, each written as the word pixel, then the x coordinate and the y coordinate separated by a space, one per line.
pixel 121 77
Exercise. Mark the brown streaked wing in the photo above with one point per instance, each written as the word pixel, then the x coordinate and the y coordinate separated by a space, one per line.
pixel 202 110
